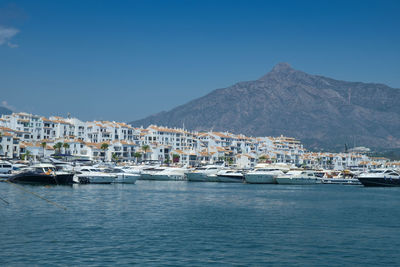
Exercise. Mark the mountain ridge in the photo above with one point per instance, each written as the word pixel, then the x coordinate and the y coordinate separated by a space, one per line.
pixel 322 112
pixel 4 111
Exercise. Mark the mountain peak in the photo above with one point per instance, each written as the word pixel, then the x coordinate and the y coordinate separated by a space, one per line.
pixel 280 70
pixel 282 67
pixel 322 112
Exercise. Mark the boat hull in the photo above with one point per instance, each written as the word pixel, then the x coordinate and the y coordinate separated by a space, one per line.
pixel 31 178
pixel 211 178
pixel 168 177
pixel 126 178
pixel 96 179
pixel 146 176
pixel 341 181
pixel 230 179
pixel 298 181
pixel 388 182
pixel 67 178
pixel 260 179
pixel 196 177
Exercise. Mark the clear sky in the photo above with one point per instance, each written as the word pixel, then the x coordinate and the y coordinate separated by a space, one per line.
pixel 124 60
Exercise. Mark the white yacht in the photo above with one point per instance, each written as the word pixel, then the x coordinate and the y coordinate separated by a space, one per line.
pixel 123 177
pixel 229 176
pixel 170 174
pixel 92 175
pixel 147 173
pixel 201 174
pixel 263 176
pixel 344 178
pixel 299 178
pixel 135 169
pixel 5 167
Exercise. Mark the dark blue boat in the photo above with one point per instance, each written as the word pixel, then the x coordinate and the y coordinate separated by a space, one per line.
pixel 42 174
pixel 380 177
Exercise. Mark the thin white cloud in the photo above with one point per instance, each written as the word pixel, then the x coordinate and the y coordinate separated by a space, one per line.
pixel 6 34
pixel 11 45
pixel 6 105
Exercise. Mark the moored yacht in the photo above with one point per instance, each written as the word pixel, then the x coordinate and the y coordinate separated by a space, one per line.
pixel 263 176
pixel 229 176
pixel 380 177
pixel 170 174
pixel 299 178
pixel 147 173
pixel 343 177
pixel 92 175
pixel 122 177
pixel 201 174
pixel 42 174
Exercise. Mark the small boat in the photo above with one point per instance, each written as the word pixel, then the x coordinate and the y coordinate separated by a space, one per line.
pixel 201 174
pixel 92 175
pixel 380 177
pixel 344 178
pixel 230 176
pixel 343 181
pixel 42 174
pixel 299 178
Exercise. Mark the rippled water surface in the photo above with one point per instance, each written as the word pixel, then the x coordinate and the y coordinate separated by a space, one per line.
pixel 197 224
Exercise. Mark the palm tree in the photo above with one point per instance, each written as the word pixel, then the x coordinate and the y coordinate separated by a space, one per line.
pixel 104 147
pixel 137 155
pixel 114 157
pixel 65 146
pixel 43 145
pixel 145 148
pixel 27 155
pixel 166 161
pixel 58 147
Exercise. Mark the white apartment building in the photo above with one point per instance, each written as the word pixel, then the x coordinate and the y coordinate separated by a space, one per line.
pixel 85 139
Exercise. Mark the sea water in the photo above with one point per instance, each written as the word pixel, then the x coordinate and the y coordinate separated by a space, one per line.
pixel 156 223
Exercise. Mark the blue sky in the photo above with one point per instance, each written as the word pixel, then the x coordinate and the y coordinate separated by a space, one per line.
pixel 124 60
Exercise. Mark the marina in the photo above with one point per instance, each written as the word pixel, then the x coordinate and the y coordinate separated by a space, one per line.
pixel 184 223
pixel 67 173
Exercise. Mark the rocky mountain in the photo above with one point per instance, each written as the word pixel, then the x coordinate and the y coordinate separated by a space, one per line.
pixel 4 111
pixel 322 112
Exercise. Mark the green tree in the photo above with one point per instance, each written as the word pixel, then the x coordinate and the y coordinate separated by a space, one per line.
pixel 26 156
pixel 115 157
pixel 137 155
pixel 104 147
pixel 65 146
pixel 166 161
pixel 58 147
pixel 263 158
